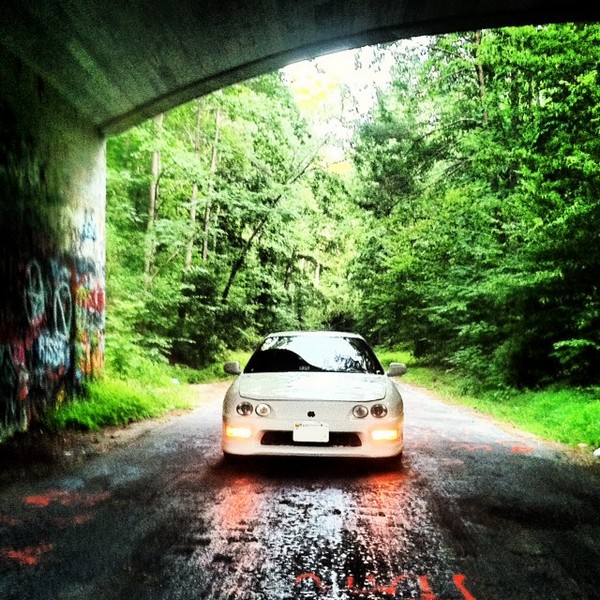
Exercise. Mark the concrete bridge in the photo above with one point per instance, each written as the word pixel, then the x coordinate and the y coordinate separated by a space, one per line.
pixel 73 72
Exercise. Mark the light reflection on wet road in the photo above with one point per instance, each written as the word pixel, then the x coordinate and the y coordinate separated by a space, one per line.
pixel 473 512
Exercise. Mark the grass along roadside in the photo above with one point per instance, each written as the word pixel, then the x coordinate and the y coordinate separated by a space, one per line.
pixel 567 415
pixel 149 391
pixel 118 402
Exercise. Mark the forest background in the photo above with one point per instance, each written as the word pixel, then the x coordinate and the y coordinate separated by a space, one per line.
pixel 457 218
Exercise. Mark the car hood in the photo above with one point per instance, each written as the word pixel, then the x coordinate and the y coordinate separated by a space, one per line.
pixel 355 387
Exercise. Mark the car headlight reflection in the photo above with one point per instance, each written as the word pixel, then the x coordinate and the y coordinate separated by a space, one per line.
pixel 360 411
pixel 244 409
pixel 379 410
pixel 263 410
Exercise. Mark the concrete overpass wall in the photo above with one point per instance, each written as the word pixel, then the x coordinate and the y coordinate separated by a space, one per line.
pixel 52 238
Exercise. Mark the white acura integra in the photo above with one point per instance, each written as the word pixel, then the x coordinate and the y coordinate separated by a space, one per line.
pixel 313 394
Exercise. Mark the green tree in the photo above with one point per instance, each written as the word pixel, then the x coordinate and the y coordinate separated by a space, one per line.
pixel 480 167
pixel 217 232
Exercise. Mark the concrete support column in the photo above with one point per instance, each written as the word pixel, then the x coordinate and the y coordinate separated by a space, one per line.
pixel 52 247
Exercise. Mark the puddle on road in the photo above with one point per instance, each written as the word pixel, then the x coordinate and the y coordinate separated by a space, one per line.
pixel 327 537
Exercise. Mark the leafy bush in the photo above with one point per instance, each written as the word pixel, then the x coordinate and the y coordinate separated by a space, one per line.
pixel 389 355
pixel 213 372
pixel 142 389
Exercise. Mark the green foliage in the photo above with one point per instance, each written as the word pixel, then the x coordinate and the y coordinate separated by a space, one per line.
pixel 390 355
pixel 479 169
pixel 468 233
pixel 570 416
pixel 248 232
pixel 142 388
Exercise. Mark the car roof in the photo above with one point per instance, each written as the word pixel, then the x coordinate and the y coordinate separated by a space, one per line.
pixel 314 334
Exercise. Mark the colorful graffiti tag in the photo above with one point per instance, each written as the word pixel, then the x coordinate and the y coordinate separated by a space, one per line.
pixel 54 342
pixel 90 304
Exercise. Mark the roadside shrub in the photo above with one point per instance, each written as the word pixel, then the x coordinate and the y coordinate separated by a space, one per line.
pixel 114 402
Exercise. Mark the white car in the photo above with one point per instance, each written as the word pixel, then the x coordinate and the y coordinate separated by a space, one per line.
pixel 313 394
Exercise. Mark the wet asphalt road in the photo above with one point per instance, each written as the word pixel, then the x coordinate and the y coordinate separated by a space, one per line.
pixel 473 511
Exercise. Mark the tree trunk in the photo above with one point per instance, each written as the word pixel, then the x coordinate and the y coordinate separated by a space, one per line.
pixel 153 197
pixel 239 261
pixel 289 271
pixel 194 202
pixel 193 210
pixel 480 76
pixel 216 228
pixel 213 170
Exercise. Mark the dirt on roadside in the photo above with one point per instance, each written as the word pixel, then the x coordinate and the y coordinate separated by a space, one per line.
pixel 37 451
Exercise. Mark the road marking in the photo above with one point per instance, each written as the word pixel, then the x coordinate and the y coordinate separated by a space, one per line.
pixel 372 587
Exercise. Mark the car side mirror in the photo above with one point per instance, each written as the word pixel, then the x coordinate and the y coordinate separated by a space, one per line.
pixel 233 368
pixel 396 370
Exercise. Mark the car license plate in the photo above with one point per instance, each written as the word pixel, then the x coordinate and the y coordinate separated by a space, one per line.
pixel 311 432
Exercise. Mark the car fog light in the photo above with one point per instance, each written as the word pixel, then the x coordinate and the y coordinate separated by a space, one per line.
pixel 384 435
pixel 237 432
pixel 263 410
pixel 360 411
pixel 244 408
pixel 379 410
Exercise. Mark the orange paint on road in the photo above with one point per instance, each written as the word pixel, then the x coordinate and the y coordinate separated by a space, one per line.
pixel 27 557
pixel 310 576
pixel 40 501
pixel 71 521
pixel 427 593
pixel 459 581
pixel 66 498
pixel 474 447
pixel 522 450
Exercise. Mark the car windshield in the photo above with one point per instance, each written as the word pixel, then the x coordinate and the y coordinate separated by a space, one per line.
pixel 334 354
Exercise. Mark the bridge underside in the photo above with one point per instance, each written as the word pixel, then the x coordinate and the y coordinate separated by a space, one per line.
pixel 118 63
pixel 75 71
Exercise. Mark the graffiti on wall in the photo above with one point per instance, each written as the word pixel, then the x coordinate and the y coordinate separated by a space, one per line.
pixel 90 297
pixel 51 269
pixel 90 304
pixel 51 331
pixel 56 343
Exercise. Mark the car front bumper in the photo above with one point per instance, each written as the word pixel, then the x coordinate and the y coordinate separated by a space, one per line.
pixel 242 436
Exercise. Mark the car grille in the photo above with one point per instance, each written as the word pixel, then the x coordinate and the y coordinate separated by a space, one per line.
pixel 336 438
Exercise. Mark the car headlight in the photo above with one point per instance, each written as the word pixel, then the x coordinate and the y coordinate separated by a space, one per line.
pixel 385 435
pixel 360 411
pixel 379 410
pixel 238 432
pixel 263 410
pixel 244 408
